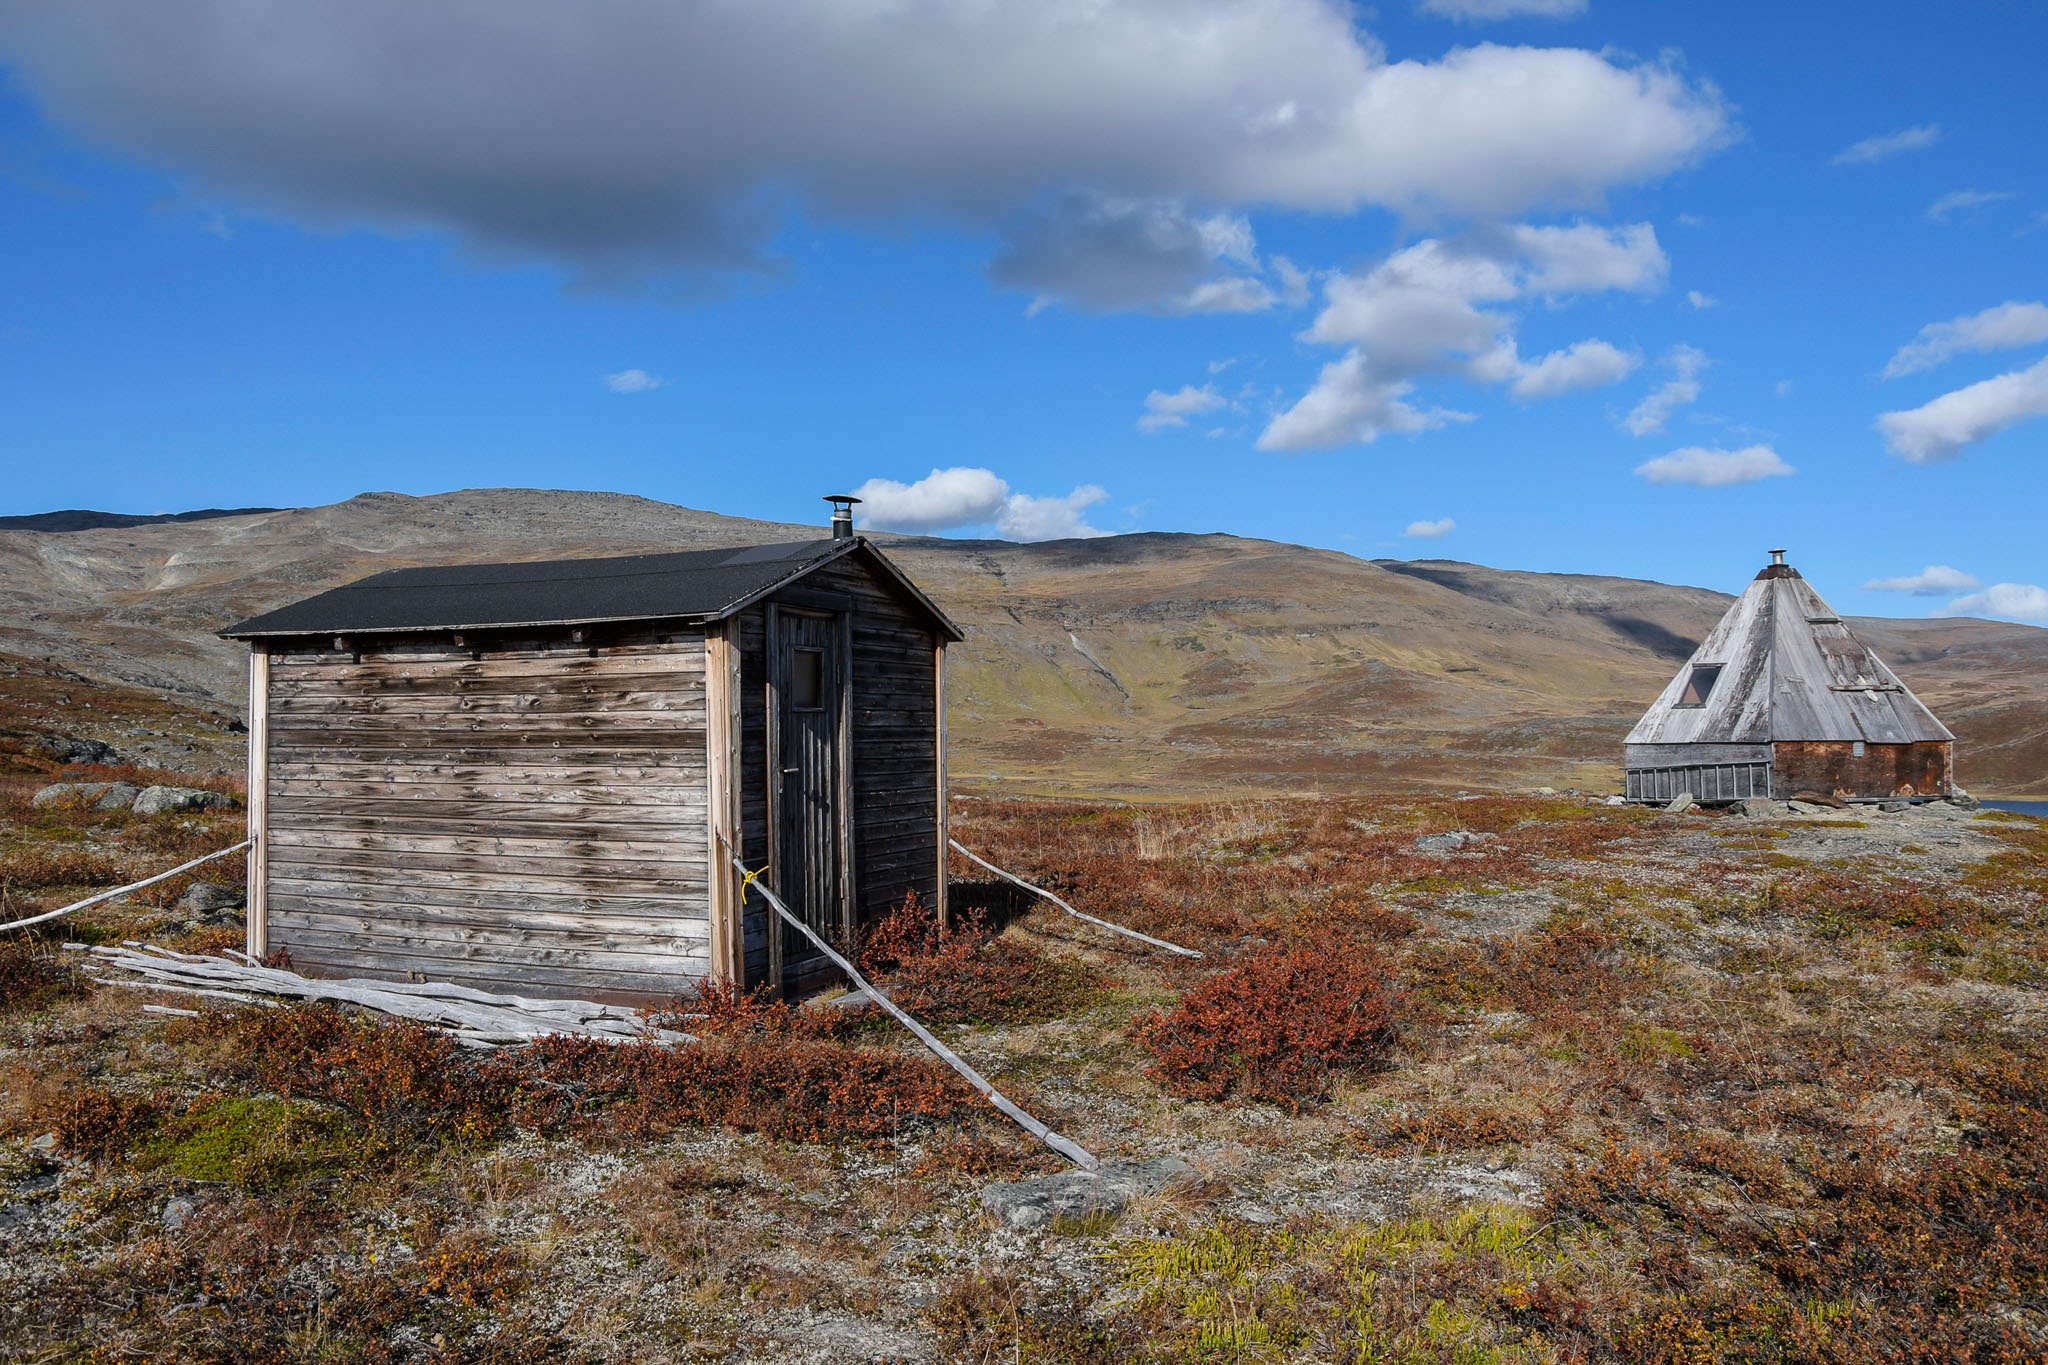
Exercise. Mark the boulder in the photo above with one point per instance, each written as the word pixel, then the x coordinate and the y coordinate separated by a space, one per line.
pixel 1617 800
pixel 161 800
pixel 1681 803
pixel 68 794
pixel 204 898
pixel 1450 842
pixel 1963 800
pixel 1760 805
pixel 1026 1204
pixel 61 749
pixel 1894 807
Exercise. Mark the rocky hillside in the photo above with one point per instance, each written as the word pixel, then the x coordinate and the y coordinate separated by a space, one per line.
pixel 1142 665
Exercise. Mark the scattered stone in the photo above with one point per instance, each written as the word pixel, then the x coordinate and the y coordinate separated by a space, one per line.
pixel 45 1143
pixel 1799 807
pixel 1450 842
pixel 204 898
pixel 1617 800
pixel 1949 810
pixel 1546 791
pixel 1026 1204
pixel 59 749
pixel 160 800
pixel 1894 807
pixel 1760 805
pixel 177 1213
pixel 1680 804
pixel 1963 800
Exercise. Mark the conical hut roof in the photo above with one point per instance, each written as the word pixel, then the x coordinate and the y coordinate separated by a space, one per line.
pixel 1782 665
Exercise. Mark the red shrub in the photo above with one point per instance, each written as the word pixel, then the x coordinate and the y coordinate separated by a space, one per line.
pixel 1277 1024
pixel 967 973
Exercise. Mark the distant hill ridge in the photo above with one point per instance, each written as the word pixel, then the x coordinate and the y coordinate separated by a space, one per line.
pixel 80 519
pixel 1150 665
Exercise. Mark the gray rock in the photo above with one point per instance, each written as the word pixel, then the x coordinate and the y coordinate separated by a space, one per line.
pixel 68 794
pixel 1026 1204
pixel 161 800
pixel 1894 807
pixel 1450 842
pixel 1617 800
pixel 46 1142
pixel 1962 800
pixel 1760 805
pixel 1681 803
pixel 1809 808
pixel 118 796
pixel 177 1213
pixel 204 898
pixel 59 749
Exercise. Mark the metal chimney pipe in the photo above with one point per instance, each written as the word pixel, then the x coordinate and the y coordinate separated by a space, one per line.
pixel 842 514
pixel 1777 556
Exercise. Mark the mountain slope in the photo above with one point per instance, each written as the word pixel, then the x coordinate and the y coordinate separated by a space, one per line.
pixel 1138 665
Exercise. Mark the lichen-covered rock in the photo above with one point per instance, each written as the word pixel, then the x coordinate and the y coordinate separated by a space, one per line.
pixel 1451 841
pixel 98 795
pixel 1681 803
pixel 61 749
pixel 1026 1204
pixel 204 898
pixel 160 800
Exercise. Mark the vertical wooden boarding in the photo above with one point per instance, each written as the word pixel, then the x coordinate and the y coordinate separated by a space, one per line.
pixel 849 902
pixel 256 905
pixel 773 787
pixel 939 774
pixel 723 776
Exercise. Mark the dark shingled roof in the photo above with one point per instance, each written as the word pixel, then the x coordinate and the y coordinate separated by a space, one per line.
pixel 703 585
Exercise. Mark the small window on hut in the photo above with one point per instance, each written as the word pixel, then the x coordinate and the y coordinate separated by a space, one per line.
pixel 1700 685
pixel 807 680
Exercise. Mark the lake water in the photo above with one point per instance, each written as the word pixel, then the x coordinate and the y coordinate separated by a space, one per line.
pixel 2038 809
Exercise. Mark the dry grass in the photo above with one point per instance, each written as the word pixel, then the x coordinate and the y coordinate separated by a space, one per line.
pixel 1630 1090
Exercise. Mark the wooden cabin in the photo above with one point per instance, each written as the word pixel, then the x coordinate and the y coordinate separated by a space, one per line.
pixel 526 777
pixel 1781 698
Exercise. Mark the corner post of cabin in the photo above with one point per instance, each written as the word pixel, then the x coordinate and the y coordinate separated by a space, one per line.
pixel 722 769
pixel 939 773
pixel 258 803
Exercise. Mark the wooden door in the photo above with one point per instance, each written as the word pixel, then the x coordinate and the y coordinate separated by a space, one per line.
pixel 808 690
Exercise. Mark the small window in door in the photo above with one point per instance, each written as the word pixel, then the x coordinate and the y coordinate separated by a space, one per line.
pixel 1700 685
pixel 807 680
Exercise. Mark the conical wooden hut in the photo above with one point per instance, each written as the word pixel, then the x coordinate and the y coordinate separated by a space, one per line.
pixel 1782 699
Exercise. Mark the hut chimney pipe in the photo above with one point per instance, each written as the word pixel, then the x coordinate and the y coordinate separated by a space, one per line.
pixel 1777 556
pixel 842 515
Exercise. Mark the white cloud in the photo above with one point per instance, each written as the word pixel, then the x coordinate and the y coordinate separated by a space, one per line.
pixel 1164 409
pixel 1430 530
pixel 1783 388
pixel 947 499
pixel 1939 430
pixel 1433 307
pixel 634 381
pixel 1699 300
pixel 1028 518
pixel 941 501
pixel 1219 366
pixel 1936 580
pixel 1589 364
pixel 1962 201
pixel 1704 468
pixel 1487 11
pixel 2008 325
pixel 1650 415
pixel 1887 145
pixel 2015 601
pixel 648 140
pixel 1105 255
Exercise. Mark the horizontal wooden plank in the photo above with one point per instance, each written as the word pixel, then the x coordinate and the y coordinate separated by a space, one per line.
pixel 462 746
pixel 525 700
pixel 627 943
pixel 569 909
pixel 567 663
pixel 577 845
pixel 375 877
pixel 452 725
pixel 594 872
pixel 676 769
pixel 529 797
pixel 666 831
pixel 561 982
pixel 684 811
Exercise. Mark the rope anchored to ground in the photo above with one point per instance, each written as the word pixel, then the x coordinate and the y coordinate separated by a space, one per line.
pixel 1066 1147
pixel 961 849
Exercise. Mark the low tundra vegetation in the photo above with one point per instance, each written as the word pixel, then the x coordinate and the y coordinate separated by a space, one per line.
pixel 1585 1084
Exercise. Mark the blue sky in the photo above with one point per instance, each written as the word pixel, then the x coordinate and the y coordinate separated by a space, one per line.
pixel 1540 284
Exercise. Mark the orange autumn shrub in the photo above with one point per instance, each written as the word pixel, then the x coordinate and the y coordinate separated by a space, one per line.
pixel 1277 1025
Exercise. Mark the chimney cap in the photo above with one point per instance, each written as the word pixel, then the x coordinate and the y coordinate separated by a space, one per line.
pixel 1777 556
pixel 841 502
pixel 842 514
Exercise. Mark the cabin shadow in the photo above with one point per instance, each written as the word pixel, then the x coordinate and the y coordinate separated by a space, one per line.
pixel 997 903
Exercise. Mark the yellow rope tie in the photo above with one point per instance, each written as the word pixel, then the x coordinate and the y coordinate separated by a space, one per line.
pixel 748 880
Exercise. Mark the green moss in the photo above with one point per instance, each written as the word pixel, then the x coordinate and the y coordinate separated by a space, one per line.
pixel 259 1144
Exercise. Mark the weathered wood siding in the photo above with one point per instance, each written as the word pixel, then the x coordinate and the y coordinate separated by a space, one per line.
pixel 1836 769
pixel 894 750
pixel 533 818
